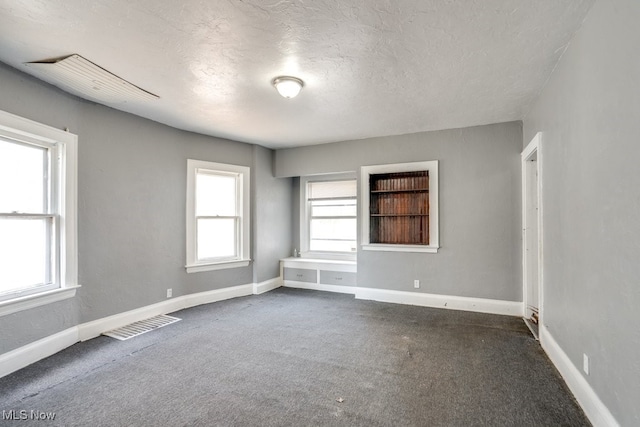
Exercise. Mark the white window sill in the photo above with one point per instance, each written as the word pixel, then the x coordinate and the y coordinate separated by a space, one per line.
pixel 339 256
pixel 197 268
pixel 31 301
pixel 400 248
pixel 291 260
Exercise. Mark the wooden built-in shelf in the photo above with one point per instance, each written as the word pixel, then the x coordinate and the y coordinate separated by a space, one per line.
pixel 407 190
pixel 399 208
pixel 409 214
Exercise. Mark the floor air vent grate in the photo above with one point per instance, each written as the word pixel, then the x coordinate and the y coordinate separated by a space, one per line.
pixel 141 327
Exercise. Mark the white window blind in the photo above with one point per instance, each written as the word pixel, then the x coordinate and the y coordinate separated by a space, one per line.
pixel 332 207
pixel 332 189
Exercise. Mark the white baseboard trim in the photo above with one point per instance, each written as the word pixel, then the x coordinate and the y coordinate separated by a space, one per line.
pixel 481 305
pixel 89 330
pixel 266 286
pixel 596 411
pixel 320 287
pixel 37 350
pixel 208 297
pixel 45 347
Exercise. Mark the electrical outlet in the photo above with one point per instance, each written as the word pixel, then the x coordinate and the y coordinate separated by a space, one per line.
pixel 416 283
pixel 169 293
pixel 585 363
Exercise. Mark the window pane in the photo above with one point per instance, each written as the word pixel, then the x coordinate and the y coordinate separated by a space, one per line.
pixel 22 178
pixel 215 195
pixel 343 229
pixel 333 208
pixel 326 189
pixel 23 253
pixel 216 238
pixel 333 245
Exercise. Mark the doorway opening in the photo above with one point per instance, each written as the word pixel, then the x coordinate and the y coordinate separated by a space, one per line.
pixel 532 234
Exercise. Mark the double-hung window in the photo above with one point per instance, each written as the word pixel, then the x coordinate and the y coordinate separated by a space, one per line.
pixel 37 214
pixel 217 216
pixel 330 217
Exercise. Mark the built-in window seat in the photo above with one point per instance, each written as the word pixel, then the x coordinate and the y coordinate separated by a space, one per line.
pixel 319 274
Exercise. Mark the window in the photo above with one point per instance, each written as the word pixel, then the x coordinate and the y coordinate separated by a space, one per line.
pixel 217 216
pixel 329 224
pixel 38 259
pixel 401 207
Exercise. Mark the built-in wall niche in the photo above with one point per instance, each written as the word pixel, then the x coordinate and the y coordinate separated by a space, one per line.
pixel 400 207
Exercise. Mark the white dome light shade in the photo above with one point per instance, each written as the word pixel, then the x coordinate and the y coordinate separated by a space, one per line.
pixel 288 87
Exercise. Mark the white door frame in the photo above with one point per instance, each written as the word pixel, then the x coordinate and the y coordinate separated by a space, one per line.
pixel 534 148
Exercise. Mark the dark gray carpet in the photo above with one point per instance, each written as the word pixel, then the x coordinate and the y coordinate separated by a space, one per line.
pixel 288 356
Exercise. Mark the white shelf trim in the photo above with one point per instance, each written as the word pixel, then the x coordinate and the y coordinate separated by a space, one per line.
pixel 400 248
pixel 364 218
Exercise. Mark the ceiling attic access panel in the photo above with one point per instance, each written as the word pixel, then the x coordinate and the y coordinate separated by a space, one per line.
pixel 81 77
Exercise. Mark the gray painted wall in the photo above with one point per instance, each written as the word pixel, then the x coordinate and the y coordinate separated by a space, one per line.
pixel 589 115
pixel 272 217
pixel 479 208
pixel 295 211
pixel 131 209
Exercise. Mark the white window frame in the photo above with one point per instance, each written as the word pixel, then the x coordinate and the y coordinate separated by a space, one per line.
pixel 243 248
pixel 63 152
pixel 434 238
pixel 305 217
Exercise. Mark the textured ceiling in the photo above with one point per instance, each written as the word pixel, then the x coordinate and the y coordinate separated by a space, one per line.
pixel 371 67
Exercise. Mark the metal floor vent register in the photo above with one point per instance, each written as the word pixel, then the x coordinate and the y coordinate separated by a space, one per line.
pixel 140 327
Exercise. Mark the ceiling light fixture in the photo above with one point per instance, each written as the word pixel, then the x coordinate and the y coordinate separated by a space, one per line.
pixel 288 87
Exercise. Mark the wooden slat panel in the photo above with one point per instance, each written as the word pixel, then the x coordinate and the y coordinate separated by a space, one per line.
pixel 403 195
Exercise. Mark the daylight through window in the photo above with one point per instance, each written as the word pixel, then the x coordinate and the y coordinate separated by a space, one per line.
pixel 28 217
pixel 217 214
pixel 332 210
pixel 38 243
